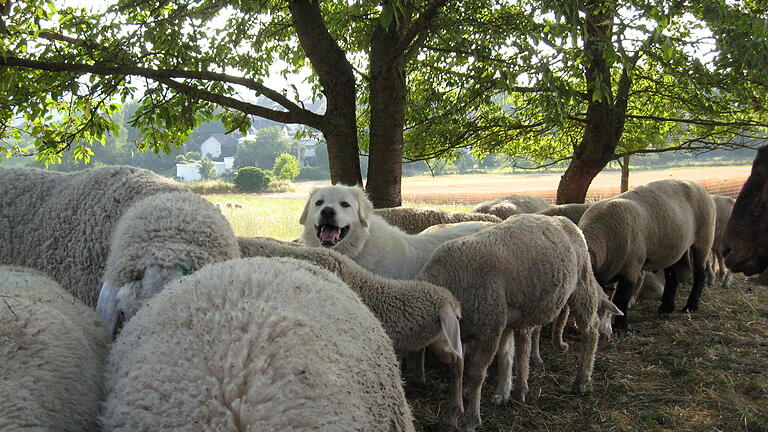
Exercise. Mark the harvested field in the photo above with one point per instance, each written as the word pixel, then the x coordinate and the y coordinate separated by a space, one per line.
pixel 472 189
pixel 706 371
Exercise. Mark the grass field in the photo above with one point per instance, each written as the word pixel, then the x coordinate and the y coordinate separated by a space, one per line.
pixel 277 217
pixel 706 371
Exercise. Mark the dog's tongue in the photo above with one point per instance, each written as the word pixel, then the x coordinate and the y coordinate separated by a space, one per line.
pixel 329 234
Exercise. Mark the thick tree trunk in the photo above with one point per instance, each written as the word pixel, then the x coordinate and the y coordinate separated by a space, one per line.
pixel 605 117
pixel 338 82
pixel 624 163
pixel 387 100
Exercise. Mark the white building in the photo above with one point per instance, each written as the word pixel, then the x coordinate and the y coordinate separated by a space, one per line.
pixel 216 144
pixel 191 171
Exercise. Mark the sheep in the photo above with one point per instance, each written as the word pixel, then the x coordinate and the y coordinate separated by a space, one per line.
pixel 414 314
pixel 238 206
pixel 160 238
pixel 60 223
pixel 508 279
pixel 651 228
pixel 287 347
pixel 571 211
pixel 218 206
pixel 507 206
pixel 52 355
pixel 723 210
pixel 229 204
pixel 415 220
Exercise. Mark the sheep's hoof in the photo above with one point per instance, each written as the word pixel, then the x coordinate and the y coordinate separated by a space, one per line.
pixel 563 346
pixel 519 395
pixel 666 308
pixel 451 418
pixel 499 399
pixel 580 388
pixel 690 308
pixel 537 360
pixel 470 423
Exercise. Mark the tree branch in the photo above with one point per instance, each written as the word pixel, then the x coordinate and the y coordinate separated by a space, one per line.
pixel 295 113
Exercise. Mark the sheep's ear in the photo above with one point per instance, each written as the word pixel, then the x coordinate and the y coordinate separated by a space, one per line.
pixel 608 306
pixel 450 325
pixel 305 212
pixel 106 307
pixel 364 207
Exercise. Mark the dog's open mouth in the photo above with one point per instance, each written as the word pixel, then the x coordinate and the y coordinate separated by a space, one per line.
pixel 330 235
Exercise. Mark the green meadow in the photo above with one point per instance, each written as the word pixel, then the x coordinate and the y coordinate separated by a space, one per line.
pixel 278 217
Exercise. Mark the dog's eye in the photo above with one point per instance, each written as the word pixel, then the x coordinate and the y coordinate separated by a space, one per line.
pixel 319 202
pixel 344 204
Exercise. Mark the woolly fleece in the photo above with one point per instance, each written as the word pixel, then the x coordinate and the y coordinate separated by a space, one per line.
pixel 255 344
pixel 60 223
pixel 52 353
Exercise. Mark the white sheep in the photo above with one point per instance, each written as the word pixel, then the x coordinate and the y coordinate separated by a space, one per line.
pixel 507 206
pixel 414 314
pixel 414 220
pixel 572 211
pixel 651 228
pixel 60 223
pixel 52 353
pixel 723 210
pixel 510 278
pixel 260 344
pixel 158 239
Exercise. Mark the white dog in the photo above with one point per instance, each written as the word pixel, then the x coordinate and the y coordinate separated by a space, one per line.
pixel 341 218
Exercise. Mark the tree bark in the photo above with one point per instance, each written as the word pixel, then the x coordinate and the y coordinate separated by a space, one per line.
pixel 605 117
pixel 387 101
pixel 338 81
pixel 624 163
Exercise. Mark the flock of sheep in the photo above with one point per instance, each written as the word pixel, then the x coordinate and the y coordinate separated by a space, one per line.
pixel 215 332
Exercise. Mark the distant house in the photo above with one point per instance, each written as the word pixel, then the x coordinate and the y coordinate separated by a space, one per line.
pixel 191 171
pixel 218 146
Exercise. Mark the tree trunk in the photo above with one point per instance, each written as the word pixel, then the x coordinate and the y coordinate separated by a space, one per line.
pixel 387 101
pixel 624 163
pixel 338 81
pixel 605 117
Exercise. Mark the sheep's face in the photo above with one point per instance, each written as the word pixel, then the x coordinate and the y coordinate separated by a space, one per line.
pixel 332 214
pixel 117 304
pixel 606 311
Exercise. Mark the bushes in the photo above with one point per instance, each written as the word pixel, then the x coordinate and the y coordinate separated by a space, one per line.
pixel 314 173
pixel 286 167
pixel 252 179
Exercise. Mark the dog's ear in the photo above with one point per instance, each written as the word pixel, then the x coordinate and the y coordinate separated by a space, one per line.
pixel 304 213
pixel 364 206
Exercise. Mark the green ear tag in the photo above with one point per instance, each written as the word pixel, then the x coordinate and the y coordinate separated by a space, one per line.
pixel 181 269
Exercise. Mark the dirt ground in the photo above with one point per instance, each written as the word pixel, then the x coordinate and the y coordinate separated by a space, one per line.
pixel 480 187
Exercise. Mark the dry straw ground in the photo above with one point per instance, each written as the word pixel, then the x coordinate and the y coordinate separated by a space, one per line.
pixel 706 371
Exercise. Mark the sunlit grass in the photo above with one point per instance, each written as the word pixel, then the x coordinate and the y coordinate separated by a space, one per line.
pixel 278 217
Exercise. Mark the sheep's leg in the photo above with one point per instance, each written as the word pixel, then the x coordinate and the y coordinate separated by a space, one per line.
pixel 414 366
pixel 522 354
pixel 624 289
pixel 535 352
pixel 670 287
pixel 456 404
pixel 589 339
pixel 699 263
pixel 504 358
pixel 558 327
pixel 477 361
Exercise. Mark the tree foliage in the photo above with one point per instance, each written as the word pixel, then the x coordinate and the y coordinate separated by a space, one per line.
pixel 261 149
pixel 286 167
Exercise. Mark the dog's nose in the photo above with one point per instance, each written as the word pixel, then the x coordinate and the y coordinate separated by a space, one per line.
pixel 328 212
